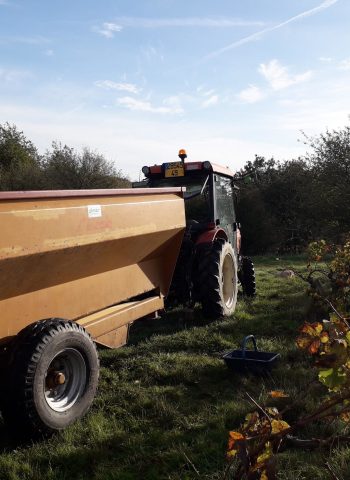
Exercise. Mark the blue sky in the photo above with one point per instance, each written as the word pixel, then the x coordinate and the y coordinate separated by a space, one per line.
pixel 137 80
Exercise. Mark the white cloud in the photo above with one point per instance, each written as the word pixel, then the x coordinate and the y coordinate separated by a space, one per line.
pixel 204 22
pixel 232 141
pixel 325 59
pixel 133 142
pixel 251 94
pixel 210 97
pixel 293 103
pixel 175 102
pixel 11 77
pixel 344 64
pixel 37 40
pixel 149 52
pixel 120 86
pixel 108 29
pixel 210 101
pixel 258 35
pixel 208 93
pixel 145 106
pixel 278 76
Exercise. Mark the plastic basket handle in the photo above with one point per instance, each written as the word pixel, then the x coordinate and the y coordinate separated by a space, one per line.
pixel 244 344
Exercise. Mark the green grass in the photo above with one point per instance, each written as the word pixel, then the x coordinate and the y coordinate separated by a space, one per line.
pixel 167 401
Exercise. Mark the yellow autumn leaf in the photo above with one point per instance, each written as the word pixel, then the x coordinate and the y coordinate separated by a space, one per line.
pixel 278 426
pixel 231 453
pixel 278 394
pixel 272 411
pixel 348 337
pixel 232 440
pixel 263 457
pixel 324 337
pixel 307 329
pixel 263 475
pixel 318 327
pixel 312 329
pixel 251 419
pixel 345 416
pixel 303 341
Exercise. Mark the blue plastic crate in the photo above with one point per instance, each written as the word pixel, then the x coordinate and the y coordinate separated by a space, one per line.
pixel 254 361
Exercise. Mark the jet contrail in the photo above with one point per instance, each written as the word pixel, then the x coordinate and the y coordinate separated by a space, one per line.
pixel 257 35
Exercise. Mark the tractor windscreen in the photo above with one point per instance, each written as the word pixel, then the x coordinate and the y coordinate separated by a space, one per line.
pixel 197 195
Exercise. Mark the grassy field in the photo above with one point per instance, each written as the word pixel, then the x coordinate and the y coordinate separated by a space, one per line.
pixel 166 402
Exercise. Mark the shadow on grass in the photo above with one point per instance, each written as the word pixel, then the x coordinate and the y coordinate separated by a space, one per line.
pixel 10 440
pixel 6 442
pixel 168 323
pixel 277 316
pixel 122 457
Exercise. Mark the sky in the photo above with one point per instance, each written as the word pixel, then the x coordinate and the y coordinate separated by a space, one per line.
pixel 138 80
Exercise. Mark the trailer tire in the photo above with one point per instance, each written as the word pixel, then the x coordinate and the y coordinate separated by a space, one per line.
pixel 217 280
pixel 54 378
pixel 246 277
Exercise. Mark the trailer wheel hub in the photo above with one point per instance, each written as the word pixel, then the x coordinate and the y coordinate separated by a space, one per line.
pixel 65 380
pixel 59 378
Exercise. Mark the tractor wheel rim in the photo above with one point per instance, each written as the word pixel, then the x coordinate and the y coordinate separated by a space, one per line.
pixel 228 281
pixel 65 380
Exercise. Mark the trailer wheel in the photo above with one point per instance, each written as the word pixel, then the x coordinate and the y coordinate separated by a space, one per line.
pixel 217 280
pixel 247 277
pixel 54 377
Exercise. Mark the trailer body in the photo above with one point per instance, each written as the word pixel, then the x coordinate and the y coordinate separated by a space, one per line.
pixel 81 255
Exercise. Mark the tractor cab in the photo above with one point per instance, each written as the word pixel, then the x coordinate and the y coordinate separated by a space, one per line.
pixel 209 195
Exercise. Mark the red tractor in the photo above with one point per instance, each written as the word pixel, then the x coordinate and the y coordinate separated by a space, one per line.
pixel 210 265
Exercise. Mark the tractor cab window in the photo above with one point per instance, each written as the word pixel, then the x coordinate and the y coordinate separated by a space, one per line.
pixel 197 195
pixel 225 204
pixel 197 203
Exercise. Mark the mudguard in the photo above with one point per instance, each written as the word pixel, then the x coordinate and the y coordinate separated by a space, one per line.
pixel 211 235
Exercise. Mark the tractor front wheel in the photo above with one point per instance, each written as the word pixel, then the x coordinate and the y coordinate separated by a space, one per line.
pixel 217 280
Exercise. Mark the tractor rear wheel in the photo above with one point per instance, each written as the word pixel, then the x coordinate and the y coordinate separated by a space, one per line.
pixel 247 277
pixel 217 280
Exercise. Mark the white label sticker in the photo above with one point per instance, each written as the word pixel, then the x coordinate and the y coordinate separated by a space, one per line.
pixel 94 211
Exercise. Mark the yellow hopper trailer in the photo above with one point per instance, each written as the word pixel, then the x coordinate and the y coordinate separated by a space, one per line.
pixel 76 267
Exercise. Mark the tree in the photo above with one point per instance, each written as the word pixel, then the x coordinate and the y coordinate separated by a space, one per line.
pixel 273 207
pixel 329 160
pixel 20 163
pixel 258 223
pixel 64 168
pixel 287 197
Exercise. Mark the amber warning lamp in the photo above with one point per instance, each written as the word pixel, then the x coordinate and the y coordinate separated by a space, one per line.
pixel 182 154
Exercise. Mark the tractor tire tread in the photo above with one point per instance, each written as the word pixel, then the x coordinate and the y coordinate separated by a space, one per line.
pixel 247 277
pixel 208 280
